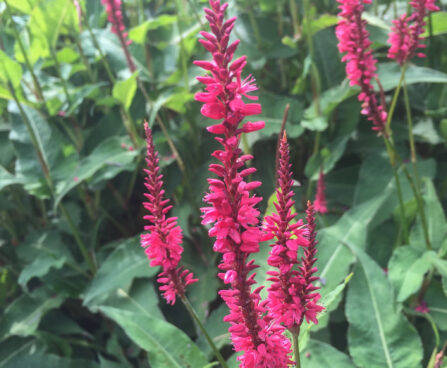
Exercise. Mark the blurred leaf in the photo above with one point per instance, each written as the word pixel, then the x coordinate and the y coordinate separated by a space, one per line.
pixel 124 91
pixel 438 24
pixel 167 346
pixel 378 335
pixel 437 304
pixel 435 217
pixel 7 179
pixel 10 71
pixel 406 270
pixel 49 361
pixel 389 75
pixel 23 315
pixel 108 153
pixel 426 132
pixel 318 354
pixel 43 251
pixel 138 34
pixel 125 263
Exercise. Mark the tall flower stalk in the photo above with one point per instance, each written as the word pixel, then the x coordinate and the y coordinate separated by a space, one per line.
pixel 232 208
pixel 163 242
pixel 292 295
pixel 360 63
pixel 115 17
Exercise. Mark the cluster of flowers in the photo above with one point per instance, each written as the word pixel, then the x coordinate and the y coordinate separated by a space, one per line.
pixel 257 326
pixel 405 39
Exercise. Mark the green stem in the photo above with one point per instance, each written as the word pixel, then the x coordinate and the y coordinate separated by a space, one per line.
pixel 295 19
pixel 78 239
pixel 394 100
pixel 85 61
pixel 196 318
pixel 399 190
pixel 417 194
pixel 103 57
pixel 58 72
pixel 25 56
pixel 410 123
pixel 296 349
pixel 254 25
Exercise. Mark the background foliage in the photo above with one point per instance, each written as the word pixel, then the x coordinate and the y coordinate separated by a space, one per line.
pixel 75 286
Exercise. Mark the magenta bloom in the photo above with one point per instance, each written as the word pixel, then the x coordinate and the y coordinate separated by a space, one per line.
pixel 115 17
pixel 307 270
pixel 286 292
pixel 163 242
pixel 422 307
pixel 320 204
pixel 232 209
pixel 360 63
pixel 405 34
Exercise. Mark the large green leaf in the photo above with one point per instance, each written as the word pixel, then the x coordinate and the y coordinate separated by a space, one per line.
pixel 23 315
pixel 10 71
pixel 435 217
pixel 378 336
pixel 6 178
pixel 108 154
pixel 125 90
pixel 167 346
pixel 389 75
pixel 318 354
pixel 406 270
pixel 125 263
pixel 48 361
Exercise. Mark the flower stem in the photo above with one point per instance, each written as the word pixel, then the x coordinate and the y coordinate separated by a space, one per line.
pixel 196 318
pixel 394 100
pixel 296 349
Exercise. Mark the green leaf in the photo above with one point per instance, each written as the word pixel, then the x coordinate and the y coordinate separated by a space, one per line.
pixel 437 304
pixel 124 91
pixel 389 75
pixel 272 113
pixel 108 154
pixel 7 179
pixel 138 33
pixel 435 217
pixel 167 346
pixel 438 24
pixel 406 270
pixel 378 336
pixel 49 361
pixel 23 315
pixel 10 71
pixel 318 354
pixel 125 263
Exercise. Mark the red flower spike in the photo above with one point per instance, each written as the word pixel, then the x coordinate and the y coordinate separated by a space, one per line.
pixel 285 298
pixel 307 270
pixel 360 63
pixel 320 204
pixel 115 17
pixel 163 242
pixel 405 35
pixel 232 208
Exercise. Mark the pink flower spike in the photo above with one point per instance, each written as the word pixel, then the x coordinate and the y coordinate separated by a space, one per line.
pixel 231 210
pixel 163 243
pixel 320 204
pixel 307 270
pixel 405 36
pixel 360 63
pixel 285 298
pixel 115 17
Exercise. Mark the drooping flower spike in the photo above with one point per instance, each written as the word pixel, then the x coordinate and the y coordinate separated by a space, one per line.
pixel 286 292
pixel 320 203
pixel 163 242
pixel 115 17
pixel 405 36
pixel 360 63
pixel 232 208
